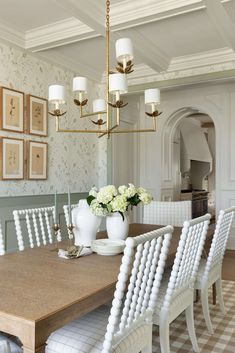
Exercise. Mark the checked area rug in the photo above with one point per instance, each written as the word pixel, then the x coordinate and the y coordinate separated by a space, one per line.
pixel 223 339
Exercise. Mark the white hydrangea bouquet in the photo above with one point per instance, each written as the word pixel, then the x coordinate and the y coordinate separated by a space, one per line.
pixel 109 199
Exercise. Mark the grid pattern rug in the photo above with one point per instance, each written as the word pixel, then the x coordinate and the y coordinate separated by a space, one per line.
pixel 223 339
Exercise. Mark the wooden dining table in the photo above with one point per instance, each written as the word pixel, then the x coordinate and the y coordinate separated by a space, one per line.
pixel 41 292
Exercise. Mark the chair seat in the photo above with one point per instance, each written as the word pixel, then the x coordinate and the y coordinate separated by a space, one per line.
pixel 84 335
pixel 8 345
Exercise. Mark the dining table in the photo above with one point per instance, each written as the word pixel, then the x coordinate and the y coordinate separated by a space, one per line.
pixel 41 292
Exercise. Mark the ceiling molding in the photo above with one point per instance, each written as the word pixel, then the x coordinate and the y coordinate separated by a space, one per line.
pixel 219 17
pixel 57 34
pixel 187 66
pixel 212 57
pixel 127 14
pixel 178 82
pixel 12 35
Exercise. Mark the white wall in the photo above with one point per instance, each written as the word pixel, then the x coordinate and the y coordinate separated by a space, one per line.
pixel 77 160
pixel 156 150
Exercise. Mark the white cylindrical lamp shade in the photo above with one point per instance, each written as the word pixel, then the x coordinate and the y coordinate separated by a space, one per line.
pixel 80 84
pixel 124 49
pixel 99 105
pixel 152 96
pixel 56 94
pixel 117 83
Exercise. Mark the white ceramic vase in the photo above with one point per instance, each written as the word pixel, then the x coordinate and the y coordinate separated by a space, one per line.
pixel 116 227
pixel 86 224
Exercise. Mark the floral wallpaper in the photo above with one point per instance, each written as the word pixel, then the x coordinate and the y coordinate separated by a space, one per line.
pixel 77 160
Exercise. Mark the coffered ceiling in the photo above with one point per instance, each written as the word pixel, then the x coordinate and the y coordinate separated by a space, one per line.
pixel 172 38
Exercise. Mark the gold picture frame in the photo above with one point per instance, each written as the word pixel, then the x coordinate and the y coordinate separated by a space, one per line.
pixel 11 158
pixel 37 115
pixel 11 110
pixel 37 153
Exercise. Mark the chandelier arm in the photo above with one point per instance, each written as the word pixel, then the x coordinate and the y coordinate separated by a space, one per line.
pixel 89 131
pixel 113 131
pixel 92 114
pixel 108 131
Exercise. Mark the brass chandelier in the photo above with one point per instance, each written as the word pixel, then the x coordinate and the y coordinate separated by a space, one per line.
pixel 116 84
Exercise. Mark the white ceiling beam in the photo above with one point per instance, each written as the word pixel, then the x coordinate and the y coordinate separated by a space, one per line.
pixel 221 20
pixel 56 34
pixel 90 12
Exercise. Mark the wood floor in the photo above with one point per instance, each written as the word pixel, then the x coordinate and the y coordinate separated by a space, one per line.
pixel 228 272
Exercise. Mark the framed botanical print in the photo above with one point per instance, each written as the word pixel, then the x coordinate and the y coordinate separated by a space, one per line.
pixel 37 160
pixel 12 158
pixel 37 115
pixel 11 110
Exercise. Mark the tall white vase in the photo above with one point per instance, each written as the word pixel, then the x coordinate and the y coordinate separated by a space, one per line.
pixel 86 224
pixel 116 227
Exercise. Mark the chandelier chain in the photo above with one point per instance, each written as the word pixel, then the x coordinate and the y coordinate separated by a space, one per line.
pixel 107 13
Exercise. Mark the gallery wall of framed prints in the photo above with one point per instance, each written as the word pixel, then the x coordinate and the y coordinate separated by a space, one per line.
pixel 24 114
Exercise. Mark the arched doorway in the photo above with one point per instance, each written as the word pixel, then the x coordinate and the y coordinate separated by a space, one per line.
pixel 188 167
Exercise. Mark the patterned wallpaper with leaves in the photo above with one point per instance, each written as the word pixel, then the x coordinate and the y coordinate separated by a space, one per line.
pixel 77 160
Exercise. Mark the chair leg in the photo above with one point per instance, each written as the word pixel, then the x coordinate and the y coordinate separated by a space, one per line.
pixel 219 292
pixel 205 309
pixel 214 293
pixel 191 328
pixel 164 335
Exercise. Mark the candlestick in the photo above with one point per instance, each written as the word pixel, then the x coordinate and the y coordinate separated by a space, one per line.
pixel 56 218
pixel 69 207
pixel 71 234
pixel 56 229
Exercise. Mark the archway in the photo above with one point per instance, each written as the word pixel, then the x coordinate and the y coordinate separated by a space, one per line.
pixel 171 176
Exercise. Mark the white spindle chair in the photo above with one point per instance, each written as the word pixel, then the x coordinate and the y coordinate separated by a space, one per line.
pixel 172 212
pixel 2 246
pixel 127 327
pixel 177 288
pixel 210 269
pixel 39 227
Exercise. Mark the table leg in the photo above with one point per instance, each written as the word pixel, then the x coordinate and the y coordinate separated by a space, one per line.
pixel 35 350
pixel 214 293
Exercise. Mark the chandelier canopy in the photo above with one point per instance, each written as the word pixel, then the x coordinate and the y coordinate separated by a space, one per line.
pixel 116 84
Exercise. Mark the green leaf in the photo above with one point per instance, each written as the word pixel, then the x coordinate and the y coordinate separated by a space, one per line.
pixel 121 215
pixel 134 200
pixel 109 208
pixel 89 199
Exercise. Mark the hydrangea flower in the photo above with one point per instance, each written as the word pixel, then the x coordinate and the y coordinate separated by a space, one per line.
pixel 145 197
pixel 97 209
pixel 106 194
pixel 119 204
pixel 109 200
